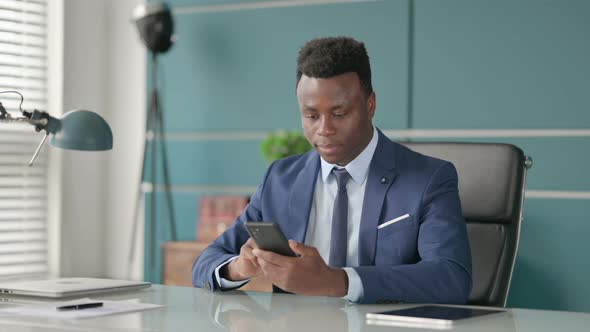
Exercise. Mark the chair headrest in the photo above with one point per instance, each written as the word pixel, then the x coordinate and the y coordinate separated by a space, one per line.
pixel 490 177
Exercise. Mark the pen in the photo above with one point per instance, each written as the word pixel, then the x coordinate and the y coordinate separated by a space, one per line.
pixel 80 306
pixel 385 224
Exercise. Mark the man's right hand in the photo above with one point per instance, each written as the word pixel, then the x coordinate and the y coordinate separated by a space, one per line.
pixel 245 266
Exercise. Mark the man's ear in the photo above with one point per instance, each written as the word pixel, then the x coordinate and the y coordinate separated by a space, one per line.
pixel 371 104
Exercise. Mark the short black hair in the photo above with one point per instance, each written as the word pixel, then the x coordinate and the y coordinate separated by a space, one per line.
pixel 333 56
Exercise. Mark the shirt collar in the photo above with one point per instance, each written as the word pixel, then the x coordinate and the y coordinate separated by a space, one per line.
pixel 358 168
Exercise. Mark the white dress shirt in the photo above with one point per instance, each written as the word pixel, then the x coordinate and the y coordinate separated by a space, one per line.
pixel 319 229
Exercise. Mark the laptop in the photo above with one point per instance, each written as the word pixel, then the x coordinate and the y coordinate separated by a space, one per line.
pixel 69 287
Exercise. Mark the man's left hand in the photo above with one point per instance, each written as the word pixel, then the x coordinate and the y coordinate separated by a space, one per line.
pixel 307 274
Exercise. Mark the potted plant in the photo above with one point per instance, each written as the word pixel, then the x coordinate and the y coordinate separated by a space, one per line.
pixel 282 144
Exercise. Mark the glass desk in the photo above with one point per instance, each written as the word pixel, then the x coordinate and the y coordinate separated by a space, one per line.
pixel 193 309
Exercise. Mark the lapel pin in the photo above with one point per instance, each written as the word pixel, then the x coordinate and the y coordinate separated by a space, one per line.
pixel 383 180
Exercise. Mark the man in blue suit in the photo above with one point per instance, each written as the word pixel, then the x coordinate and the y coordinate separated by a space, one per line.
pixel 370 220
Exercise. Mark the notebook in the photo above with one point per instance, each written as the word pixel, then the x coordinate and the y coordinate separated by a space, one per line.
pixel 68 287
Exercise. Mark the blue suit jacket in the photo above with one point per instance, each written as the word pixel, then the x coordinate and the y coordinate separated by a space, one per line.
pixel 424 258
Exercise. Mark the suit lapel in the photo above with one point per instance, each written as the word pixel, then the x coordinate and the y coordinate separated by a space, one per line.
pixel 301 198
pixel 380 178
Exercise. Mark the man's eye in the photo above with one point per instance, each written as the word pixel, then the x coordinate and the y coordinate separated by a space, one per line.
pixel 310 116
pixel 339 114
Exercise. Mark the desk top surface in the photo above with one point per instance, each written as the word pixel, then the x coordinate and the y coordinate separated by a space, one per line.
pixel 192 309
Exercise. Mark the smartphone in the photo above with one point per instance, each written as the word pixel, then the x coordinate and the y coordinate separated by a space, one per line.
pixel 268 236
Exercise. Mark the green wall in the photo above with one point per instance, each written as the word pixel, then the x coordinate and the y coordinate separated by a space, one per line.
pixel 437 64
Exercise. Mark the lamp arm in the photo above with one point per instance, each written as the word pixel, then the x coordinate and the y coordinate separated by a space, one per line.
pixel 3 113
pixel 43 121
pixel 38 149
pixel 40 122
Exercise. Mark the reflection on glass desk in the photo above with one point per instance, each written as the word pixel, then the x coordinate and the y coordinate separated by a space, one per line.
pixel 193 309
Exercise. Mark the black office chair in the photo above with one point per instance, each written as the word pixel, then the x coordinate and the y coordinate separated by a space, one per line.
pixel 491 188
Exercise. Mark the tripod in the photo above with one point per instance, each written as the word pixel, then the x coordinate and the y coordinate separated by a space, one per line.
pixel 154 132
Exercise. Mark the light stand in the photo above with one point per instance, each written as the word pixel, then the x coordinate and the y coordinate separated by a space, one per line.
pixel 154 23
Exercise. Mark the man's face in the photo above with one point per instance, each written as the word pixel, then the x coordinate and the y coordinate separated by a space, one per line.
pixel 336 116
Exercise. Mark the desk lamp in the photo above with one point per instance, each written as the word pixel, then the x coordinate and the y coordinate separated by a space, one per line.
pixel 75 130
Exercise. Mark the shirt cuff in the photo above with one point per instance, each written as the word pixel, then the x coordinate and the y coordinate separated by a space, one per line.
pixel 225 284
pixel 355 285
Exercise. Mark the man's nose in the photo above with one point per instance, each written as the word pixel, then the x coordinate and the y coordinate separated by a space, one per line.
pixel 326 127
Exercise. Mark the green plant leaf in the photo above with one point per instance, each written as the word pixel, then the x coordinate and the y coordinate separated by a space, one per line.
pixel 281 144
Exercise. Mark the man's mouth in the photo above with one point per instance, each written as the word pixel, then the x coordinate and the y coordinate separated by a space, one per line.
pixel 327 148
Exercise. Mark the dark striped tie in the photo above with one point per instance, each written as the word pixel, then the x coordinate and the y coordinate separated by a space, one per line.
pixel 339 240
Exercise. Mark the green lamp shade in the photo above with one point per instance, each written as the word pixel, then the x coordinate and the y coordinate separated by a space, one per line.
pixel 83 130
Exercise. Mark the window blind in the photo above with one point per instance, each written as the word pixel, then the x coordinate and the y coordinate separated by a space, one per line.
pixel 23 189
